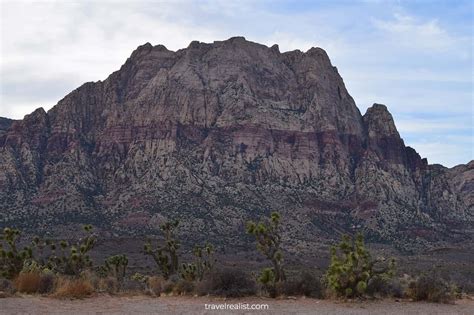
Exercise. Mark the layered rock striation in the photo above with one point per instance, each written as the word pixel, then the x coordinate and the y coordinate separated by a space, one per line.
pixel 215 134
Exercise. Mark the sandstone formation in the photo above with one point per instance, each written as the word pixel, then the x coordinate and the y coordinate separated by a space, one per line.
pixel 215 134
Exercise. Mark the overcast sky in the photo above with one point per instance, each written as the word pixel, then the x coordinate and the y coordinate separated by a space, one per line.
pixel 413 56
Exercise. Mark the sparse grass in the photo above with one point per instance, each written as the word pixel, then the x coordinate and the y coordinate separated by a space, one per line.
pixel 109 285
pixel 28 282
pixel 74 288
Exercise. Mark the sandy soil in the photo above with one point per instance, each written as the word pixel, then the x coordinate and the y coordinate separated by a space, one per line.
pixel 190 305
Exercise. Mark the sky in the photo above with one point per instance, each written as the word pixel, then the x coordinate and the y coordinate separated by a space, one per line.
pixel 414 56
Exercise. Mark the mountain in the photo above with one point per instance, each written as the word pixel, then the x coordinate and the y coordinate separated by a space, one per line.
pixel 216 134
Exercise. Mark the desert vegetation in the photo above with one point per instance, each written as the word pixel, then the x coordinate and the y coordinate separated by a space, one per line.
pixel 64 269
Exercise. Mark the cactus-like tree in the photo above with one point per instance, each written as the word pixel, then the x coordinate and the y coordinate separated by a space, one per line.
pixel 116 266
pixel 203 262
pixel 72 259
pixel 12 258
pixel 352 267
pixel 166 255
pixel 268 237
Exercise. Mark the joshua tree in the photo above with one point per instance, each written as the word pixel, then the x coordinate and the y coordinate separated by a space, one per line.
pixel 267 234
pixel 204 262
pixel 166 256
pixel 73 259
pixel 352 268
pixel 12 259
pixel 116 266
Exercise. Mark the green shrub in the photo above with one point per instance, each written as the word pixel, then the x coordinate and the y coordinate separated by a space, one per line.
pixel 352 268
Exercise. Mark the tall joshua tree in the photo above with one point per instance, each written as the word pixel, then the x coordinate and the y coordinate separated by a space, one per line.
pixel 166 255
pixel 267 235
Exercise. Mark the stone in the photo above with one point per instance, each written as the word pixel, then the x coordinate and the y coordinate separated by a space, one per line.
pixel 217 134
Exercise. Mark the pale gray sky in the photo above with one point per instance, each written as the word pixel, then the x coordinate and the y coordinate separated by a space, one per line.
pixel 415 57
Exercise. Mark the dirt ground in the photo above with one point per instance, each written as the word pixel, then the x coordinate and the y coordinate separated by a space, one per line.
pixel 189 305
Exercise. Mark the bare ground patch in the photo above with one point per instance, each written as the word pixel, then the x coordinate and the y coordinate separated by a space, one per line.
pixel 103 304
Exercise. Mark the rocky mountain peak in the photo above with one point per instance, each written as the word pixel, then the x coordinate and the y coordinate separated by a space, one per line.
pixel 380 122
pixel 217 133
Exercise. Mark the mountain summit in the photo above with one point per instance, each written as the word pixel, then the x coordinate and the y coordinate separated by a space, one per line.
pixel 216 134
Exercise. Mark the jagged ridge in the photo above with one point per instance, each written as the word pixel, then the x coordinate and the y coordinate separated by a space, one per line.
pixel 218 133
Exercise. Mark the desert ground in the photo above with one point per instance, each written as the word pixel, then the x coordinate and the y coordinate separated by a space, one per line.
pixel 104 304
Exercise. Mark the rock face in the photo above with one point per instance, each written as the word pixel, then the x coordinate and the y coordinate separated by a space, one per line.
pixel 216 134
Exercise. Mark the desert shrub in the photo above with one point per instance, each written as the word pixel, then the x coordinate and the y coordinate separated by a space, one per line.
pixel 352 268
pixel 28 282
pixel 383 287
pixel 169 284
pixel 430 287
pixel 227 283
pixel 305 285
pixel 47 283
pixel 12 258
pixel 155 285
pixel 108 284
pixel 183 286
pixel 165 255
pixel 132 286
pixel 7 286
pixel 33 279
pixel 74 288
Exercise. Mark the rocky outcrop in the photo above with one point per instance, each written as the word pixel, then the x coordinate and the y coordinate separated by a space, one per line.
pixel 5 124
pixel 219 133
